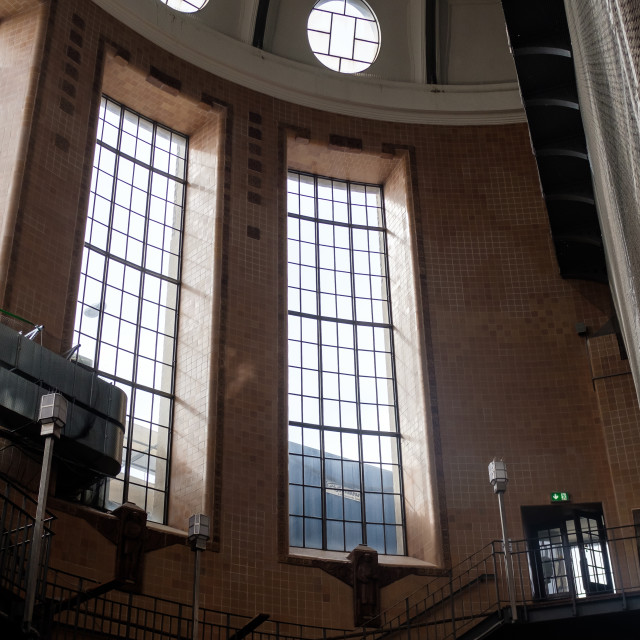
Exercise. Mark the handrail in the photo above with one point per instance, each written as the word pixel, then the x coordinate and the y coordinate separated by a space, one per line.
pixel 17 525
pixel 4 312
pixel 444 607
pixel 471 603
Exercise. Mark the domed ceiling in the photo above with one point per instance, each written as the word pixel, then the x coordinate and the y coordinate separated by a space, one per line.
pixel 440 61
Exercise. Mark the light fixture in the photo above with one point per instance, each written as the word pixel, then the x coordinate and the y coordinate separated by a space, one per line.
pixel 198 531
pixel 52 418
pixel 53 414
pixel 197 539
pixel 498 475
pixel 498 479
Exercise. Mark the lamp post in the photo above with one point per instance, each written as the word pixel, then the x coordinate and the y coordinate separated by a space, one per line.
pixel 499 479
pixel 198 536
pixel 52 418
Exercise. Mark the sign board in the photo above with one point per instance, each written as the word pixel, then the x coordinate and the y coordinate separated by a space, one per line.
pixel 560 496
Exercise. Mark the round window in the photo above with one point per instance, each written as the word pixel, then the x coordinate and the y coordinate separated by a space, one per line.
pixel 344 34
pixel 185 6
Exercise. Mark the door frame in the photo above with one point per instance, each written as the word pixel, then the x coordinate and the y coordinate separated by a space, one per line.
pixel 535 518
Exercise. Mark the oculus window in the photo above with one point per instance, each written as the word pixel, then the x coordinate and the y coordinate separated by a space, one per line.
pixel 345 478
pixel 344 34
pixel 126 315
pixel 185 6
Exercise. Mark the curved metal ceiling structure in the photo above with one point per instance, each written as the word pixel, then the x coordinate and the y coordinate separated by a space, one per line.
pixel 541 47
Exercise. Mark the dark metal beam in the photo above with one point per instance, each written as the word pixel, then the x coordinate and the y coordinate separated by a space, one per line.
pixel 261 24
pixel 250 626
pixel 431 30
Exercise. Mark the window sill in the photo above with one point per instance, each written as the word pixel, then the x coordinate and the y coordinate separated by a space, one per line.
pixel 392 568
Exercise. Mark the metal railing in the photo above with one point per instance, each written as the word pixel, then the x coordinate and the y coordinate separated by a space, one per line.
pixel 546 575
pixel 447 605
pixel 562 572
pixel 17 517
pixel 117 614
pixel 25 327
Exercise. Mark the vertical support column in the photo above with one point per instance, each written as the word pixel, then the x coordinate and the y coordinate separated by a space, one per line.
pixel 52 417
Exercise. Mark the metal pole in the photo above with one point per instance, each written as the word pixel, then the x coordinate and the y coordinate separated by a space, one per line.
pixel 507 558
pixel 196 593
pixel 36 541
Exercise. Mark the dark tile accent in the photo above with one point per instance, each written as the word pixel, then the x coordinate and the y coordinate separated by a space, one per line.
pixel 74 54
pixel 71 71
pixel 256 118
pixel 342 142
pixel 255 165
pixel 253 232
pixel 254 181
pixel 254 198
pixel 76 38
pixel 77 21
pixel 164 78
pixel 255 133
pixel 66 106
pixel 254 148
pixel 69 89
pixel 62 143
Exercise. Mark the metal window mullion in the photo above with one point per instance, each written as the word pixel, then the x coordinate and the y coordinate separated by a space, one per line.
pixel 105 270
pixel 140 163
pixel 375 377
pixel 323 492
pixel 337 223
pixel 136 346
pixel 112 205
pixel 128 263
pixel 363 520
pixel 338 373
pixel 364 432
pixel 299 314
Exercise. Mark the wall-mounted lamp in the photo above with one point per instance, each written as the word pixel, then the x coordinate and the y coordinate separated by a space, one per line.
pixel 52 418
pixel 498 479
pixel 197 539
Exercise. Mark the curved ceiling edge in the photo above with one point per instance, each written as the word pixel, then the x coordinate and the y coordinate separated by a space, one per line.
pixel 316 88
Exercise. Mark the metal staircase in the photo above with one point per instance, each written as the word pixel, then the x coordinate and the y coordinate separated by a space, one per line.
pixel 470 603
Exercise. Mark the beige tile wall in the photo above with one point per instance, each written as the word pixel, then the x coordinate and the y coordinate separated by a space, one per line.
pixel 505 373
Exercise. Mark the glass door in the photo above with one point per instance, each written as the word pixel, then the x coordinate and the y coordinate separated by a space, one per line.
pixel 567 551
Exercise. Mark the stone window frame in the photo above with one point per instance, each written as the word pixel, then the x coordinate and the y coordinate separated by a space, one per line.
pixel 143 158
pixel 378 525
pixel 196 421
pixel 394 167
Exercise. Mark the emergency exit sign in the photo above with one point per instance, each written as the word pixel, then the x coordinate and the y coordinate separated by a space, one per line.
pixel 560 496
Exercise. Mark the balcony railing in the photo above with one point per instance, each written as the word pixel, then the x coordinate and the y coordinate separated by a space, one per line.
pixel 548 574
pixel 17 517
pixel 559 575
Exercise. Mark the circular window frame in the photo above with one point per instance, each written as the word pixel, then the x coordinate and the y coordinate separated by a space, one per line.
pixel 177 5
pixel 322 27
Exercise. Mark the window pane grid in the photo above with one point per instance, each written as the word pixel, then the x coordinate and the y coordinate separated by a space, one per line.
pixel 344 36
pixel 345 479
pixel 126 315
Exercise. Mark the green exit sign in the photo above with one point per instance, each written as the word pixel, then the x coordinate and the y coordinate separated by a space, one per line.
pixel 560 496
